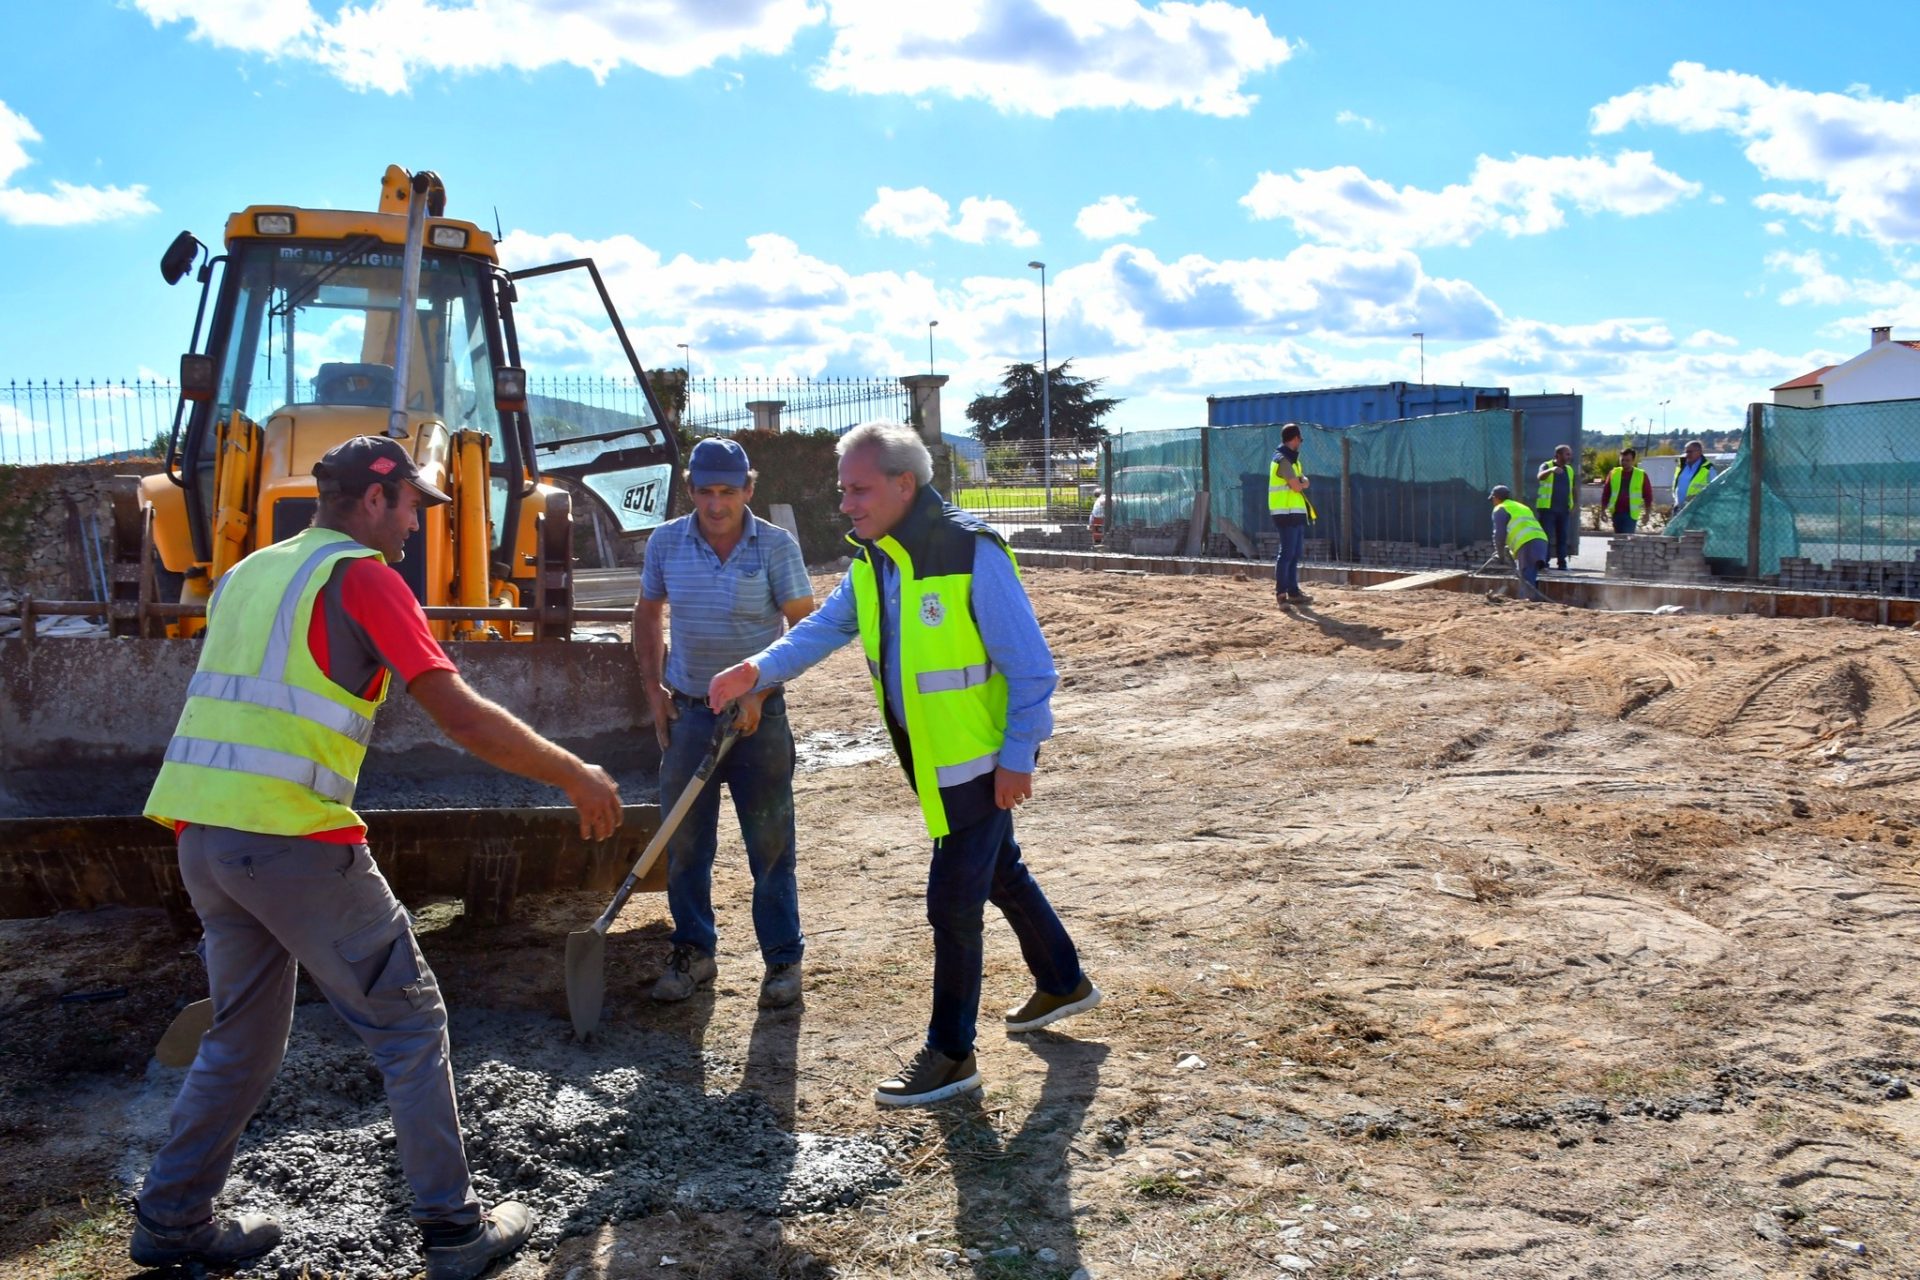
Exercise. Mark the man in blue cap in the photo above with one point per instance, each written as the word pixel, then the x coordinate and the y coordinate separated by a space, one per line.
pixel 734 583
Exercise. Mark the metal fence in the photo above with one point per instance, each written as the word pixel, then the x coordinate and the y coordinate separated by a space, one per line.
pixel 1011 487
pixel 1818 499
pixel 73 420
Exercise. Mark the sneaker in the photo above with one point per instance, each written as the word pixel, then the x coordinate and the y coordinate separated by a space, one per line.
pixel 687 971
pixel 504 1229
pixel 1041 1008
pixel 1299 597
pixel 781 986
pixel 216 1242
pixel 932 1076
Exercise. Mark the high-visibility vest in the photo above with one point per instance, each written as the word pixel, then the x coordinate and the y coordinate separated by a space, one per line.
pixel 955 702
pixel 1280 498
pixel 1522 527
pixel 1702 475
pixel 1545 497
pixel 1636 500
pixel 267 742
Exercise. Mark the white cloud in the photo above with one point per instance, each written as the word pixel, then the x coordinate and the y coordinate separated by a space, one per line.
pixel 386 44
pixel 1042 57
pixel 1355 118
pixel 1894 302
pixel 66 205
pixel 920 214
pixel 1111 217
pixel 1708 338
pixel 1862 150
pixel 1522 196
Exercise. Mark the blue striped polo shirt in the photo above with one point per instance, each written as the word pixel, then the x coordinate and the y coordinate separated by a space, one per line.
pixel 720 613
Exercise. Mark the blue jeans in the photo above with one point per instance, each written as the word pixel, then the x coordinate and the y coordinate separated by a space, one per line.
pixel 1286 565
pixel 1625 524
pixel 971 867
pixel 1559 526
pixel 758 772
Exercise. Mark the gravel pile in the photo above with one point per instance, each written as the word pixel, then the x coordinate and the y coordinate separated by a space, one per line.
pixel 583 1134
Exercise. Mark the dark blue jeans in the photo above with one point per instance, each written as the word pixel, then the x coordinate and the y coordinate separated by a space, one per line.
pixel 1625 524
pixel 758 772
pixel 1560 536
pixel 1286 565
pixel 971 867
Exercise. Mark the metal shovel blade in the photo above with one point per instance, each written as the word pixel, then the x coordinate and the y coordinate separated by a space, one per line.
pixel 586 979
pixel 180 1042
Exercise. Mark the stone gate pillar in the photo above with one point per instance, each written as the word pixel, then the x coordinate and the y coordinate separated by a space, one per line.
pixel 924 391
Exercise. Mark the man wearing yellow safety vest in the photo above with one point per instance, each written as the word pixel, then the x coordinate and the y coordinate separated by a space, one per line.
pixel 1518 536
pixel 1290 510
pixel 1694 474
pixel 963 679
pixel 1628 494
pixel 303 640
pixel 1556 503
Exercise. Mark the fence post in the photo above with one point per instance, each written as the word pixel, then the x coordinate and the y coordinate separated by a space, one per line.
pixel 1755 459
pixel 1519 453
pixel 1206 486
pixel 1346 498
pixel 1106 489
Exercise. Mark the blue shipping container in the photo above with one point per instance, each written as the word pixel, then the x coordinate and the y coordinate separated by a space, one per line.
pixel 1351 406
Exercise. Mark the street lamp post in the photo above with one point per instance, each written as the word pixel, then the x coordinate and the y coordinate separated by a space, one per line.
pixel 1046 395
pixel 1663 415
pixel 931 326
pixel 1423 357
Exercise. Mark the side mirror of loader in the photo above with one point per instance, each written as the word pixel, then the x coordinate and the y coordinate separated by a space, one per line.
pixel 178 259
pixel 196 377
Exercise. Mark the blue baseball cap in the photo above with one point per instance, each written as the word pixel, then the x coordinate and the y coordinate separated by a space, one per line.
pixel 717 461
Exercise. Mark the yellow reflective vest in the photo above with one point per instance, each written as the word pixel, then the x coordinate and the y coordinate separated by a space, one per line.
pixel 1522 527
pixel 1544 499
pixel 267 742
pixel 1702 476
pixel 954 700
pixel 1636 497
pixel 1280 498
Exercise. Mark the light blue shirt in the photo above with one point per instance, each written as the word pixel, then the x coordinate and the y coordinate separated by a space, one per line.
pixel 720 612
pixel 1007 627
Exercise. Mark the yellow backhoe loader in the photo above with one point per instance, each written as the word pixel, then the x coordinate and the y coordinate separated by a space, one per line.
pixel 319 325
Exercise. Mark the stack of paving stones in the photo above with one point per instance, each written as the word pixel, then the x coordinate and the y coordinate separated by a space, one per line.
pixel 1072 537
pixel 1657 558
pixel 1411 555
pixel 1875 577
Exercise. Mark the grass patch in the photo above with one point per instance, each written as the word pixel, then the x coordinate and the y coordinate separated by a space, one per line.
pixel 1163 1186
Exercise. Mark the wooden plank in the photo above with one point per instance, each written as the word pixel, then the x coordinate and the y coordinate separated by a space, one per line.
pixel 1237 537
pixel 1415 581
pixel 1197 527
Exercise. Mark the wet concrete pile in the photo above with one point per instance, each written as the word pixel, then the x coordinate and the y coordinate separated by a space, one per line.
pixel 581 1134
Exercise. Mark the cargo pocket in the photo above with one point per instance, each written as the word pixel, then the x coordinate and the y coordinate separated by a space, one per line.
pixel 387 965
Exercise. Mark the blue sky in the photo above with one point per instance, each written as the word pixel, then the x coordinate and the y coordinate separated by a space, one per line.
pixel 1641 203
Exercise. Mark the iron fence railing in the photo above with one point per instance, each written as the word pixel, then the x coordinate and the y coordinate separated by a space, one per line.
pixel 69 420
pixel 717 405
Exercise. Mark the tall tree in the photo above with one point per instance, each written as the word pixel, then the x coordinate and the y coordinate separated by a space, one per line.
pixel 1014 413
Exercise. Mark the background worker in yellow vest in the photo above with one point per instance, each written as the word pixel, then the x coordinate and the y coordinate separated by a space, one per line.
pixel 963 679
pixel 1692 476
pixel 1517 535
pixel 1556 502
pixel 1290 509
pixel 1627 495
pixel 302 640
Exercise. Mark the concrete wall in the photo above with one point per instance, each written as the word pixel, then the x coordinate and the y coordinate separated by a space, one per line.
pixel 1890 371
pixel 48 514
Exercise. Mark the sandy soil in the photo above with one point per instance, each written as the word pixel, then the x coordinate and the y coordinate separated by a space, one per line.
pixel 1441 937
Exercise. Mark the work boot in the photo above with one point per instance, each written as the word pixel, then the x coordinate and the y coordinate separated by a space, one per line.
pixel 687 971
pixel 1299 597
pixel 781 986
pixel 931 1077
pixel 505 1228
pixel 217 1242
pixel 1041 1008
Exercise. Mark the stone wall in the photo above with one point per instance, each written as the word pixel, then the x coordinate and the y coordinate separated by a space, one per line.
pixel 50 514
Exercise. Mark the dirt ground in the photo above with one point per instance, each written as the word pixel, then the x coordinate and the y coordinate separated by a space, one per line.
pixel 1440 937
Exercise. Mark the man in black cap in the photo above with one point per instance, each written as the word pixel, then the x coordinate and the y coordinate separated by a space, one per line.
pixel 303 639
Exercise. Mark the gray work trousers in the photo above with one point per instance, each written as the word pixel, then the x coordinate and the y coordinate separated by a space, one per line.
pixel 270 904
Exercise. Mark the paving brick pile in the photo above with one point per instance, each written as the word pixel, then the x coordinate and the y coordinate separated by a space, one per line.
pixel 1657 558
pixel 1875 577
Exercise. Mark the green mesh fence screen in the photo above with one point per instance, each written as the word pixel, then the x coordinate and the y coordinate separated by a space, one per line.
pixel 1417 488
pixel 1838 495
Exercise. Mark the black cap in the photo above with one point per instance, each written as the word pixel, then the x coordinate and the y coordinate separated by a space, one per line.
pixel 354 464
pixel 1499 493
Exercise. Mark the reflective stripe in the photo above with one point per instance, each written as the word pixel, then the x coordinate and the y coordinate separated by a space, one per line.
pixel 273 663
pixel 954 680
pixel 952 775
pixel 262 762
pixel 276 696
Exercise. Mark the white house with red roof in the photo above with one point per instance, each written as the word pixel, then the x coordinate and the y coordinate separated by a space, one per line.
pixel 1886 370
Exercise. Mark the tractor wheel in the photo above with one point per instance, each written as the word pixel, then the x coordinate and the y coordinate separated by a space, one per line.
pixel 556 569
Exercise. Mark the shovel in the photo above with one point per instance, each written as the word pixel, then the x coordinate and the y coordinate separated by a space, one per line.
pixel 587 948
pixel 180 1042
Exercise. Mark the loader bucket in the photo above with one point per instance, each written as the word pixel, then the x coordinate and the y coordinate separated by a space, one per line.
pixel 84 724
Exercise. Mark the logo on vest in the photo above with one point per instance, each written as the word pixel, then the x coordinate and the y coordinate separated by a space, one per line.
pixel 932 612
